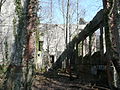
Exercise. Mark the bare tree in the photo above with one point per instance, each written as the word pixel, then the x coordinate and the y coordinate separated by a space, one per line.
pixel 51 11
pixel 46 12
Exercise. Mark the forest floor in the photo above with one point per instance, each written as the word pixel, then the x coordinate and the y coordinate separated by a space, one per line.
pixel 55 80
pixel 61 81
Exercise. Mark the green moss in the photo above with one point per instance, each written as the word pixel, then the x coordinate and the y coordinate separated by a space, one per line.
pixel 43 69
pixel 14 26
pixel 3 69
pixel 19 13
pixel 37 43
pixel 18 8
pixel 37 39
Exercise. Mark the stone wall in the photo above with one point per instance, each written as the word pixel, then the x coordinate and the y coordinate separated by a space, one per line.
pixel 53 37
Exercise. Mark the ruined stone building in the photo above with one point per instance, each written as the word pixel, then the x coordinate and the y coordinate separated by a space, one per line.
pixel 52 38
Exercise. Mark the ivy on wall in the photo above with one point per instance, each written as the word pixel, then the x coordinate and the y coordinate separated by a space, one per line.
pixel 19 19
pixel 18 8
pixel 14 26
pixel 18 50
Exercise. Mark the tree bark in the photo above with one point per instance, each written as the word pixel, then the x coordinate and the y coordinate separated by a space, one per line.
pixel 30 45
pixel 112 38
pixel 67 34
pixel 101 44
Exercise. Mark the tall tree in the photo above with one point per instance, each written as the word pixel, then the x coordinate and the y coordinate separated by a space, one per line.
pixel 67 32
pixel 51 11
pixel 112 36
pixel 30 45
pixel 16 66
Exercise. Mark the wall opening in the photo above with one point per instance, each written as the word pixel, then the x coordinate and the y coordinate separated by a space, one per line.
pixel 40 45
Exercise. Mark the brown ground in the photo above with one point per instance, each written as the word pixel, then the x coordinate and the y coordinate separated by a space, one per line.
pixel 60 82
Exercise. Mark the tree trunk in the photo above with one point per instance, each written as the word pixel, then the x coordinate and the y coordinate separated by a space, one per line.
pixel 112 38
pixel 114 34
pixel 30 45
pixel 14 74
pixel 90 48
pixel 101 44
pixel 67 34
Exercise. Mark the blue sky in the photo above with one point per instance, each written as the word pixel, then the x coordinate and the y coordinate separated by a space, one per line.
pixel 91 7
